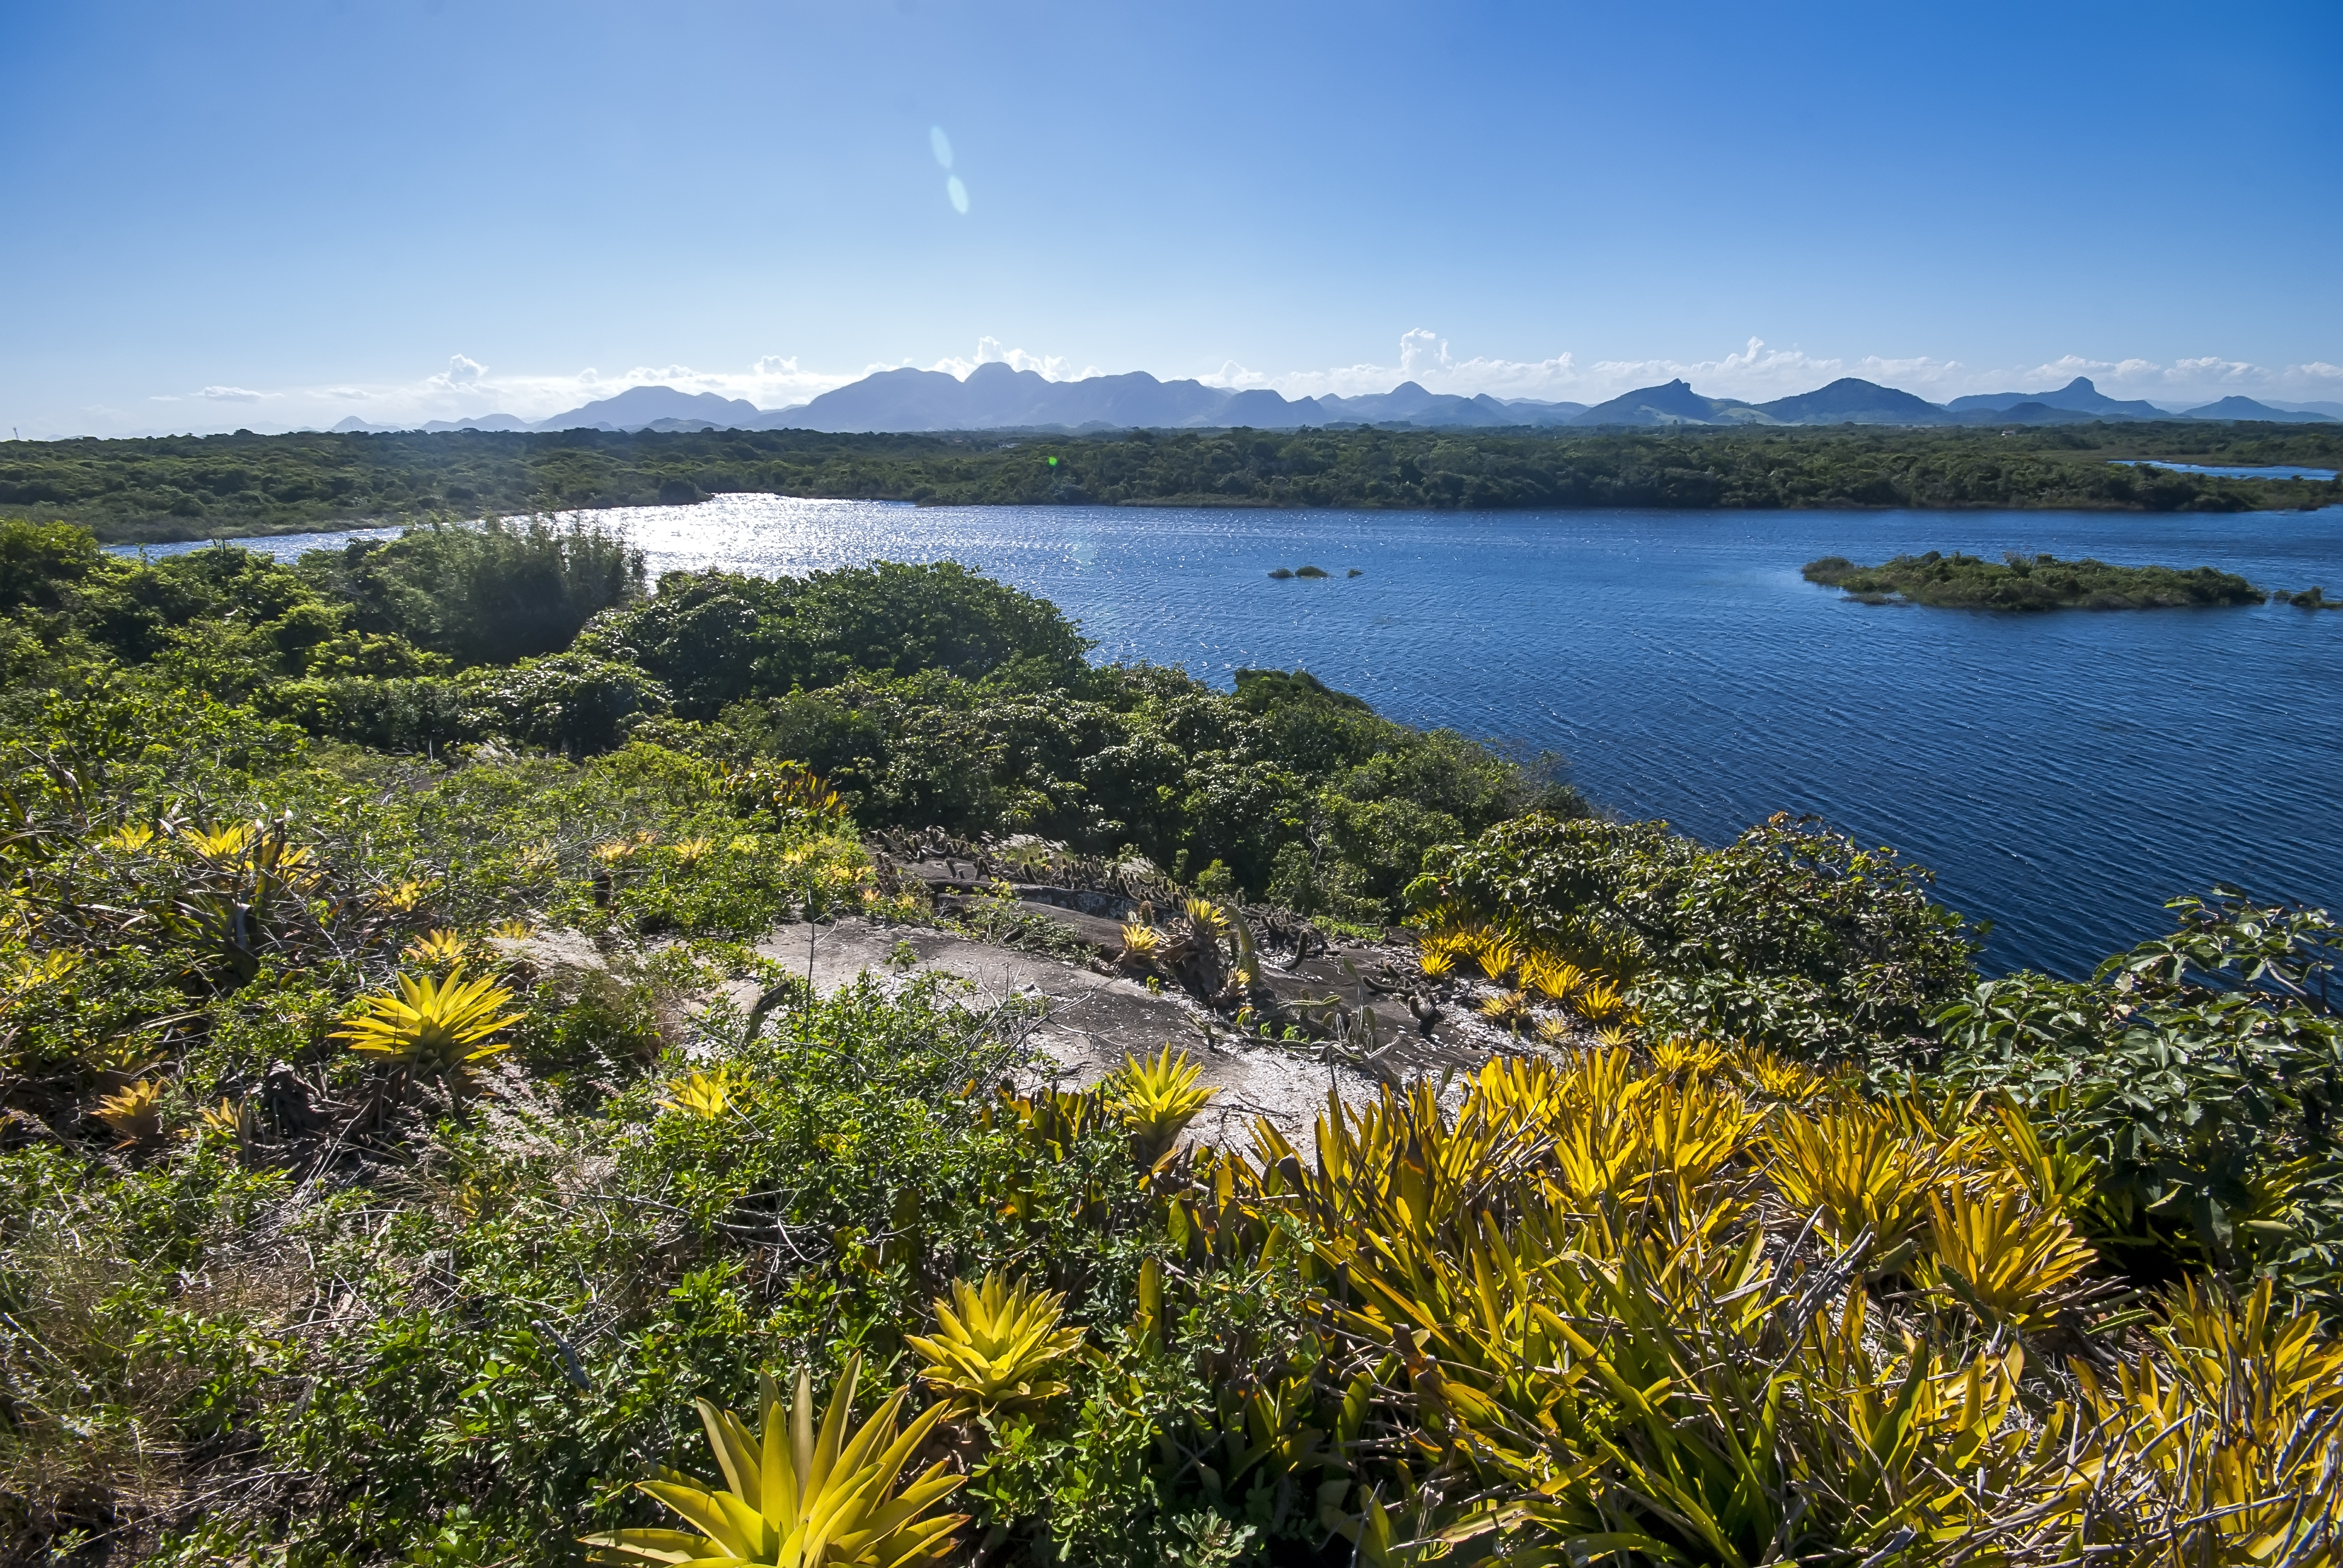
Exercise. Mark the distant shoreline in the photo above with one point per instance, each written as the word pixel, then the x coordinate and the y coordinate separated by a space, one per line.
pixel 177 489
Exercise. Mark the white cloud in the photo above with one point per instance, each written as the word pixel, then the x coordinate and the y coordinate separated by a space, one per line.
pixel 230 395
pixel 460 372
pixel 989 351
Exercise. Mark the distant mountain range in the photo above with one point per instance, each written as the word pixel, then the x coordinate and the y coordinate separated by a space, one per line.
pixel 996 397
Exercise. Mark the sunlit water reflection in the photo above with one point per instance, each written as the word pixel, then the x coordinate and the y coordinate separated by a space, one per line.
pixel 2063 773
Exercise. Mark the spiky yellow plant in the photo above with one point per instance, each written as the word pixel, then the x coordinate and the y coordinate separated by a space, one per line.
pixel 226 843
pixel 1860 1171
pixel 700 1093
pixel 1438 963
pixel 1209 918
pixel 228 1119
pixel 997 1346
pixel 2236 1443
pixel 1615 1036
pixel 1686 1058
pixel 1763 1072
pixel 1554 1031
pixel 1599 1001
pixel 2005 1264
pixel 402 896
pixel 1453 941
pixel 134 1112
pixel 130 838
pixel 793 1499
pixel 1157 1096
pixel 29 972
pixel 2055 1178
pixel 1508 1009
pixel 691 851
pixel 514 929
pixel 1140 941
pixel 613 852
pixel 439 947
pixel 1555 979
pixel 436 1026
pixel 1497 954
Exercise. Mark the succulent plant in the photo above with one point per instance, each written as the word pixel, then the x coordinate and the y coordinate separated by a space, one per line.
pixel 1157 1096
pixel 700 1093
pixel 793 1499
pixel 996 1345
pixel 435 1025
pixel 135 1111
pixel 437 947
pixel 2006 1263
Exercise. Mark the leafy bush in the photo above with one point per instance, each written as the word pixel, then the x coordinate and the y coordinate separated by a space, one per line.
pixel 719 639
pixel 1791 935
pixel 482 593
pixel 2202 1073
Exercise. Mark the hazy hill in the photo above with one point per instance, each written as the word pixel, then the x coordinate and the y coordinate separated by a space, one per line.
pixel 2078 395
pixel 1674 403
pixel 1850 401
pixel 995 396
pixel 2235 407
pixel 637 407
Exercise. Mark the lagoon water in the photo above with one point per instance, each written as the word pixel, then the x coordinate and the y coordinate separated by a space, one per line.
pixel 2063 773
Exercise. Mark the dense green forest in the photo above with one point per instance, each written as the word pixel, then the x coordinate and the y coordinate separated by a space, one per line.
pixel 2030 582
pixel 387 1174
pixel 182 487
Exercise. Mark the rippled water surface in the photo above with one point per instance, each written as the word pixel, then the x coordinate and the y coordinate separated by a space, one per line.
pixel 2063 773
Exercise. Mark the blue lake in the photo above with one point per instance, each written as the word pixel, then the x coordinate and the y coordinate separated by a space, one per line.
pixel 2063 773
pixel 2234 473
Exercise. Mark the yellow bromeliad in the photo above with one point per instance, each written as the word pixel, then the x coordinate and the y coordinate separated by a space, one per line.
pixel 435 1025
pixel 2005 1263
pixel 1683 1058
pixel 225 844
pixel 701 1094
pixel 136 1112
pixel 1600 1001
pixel 439 946
pixel 1157 1096
pixel 1508 1009
pixel 1860 1172
pixel 793 1499
pixel 996 1345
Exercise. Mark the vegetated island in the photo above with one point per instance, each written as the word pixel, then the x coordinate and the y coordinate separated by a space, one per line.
pixel 191 487
pixel 392 1155
pixel 2029 582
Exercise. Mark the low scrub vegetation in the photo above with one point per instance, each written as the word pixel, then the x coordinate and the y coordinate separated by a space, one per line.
pixel 2030 582
pixel 399 1171
pixel 194 487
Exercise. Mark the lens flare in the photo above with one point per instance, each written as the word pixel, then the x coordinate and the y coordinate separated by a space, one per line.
pixel 940 144
pixel 957 193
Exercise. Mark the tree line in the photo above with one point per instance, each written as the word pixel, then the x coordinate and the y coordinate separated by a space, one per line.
pixel 180 487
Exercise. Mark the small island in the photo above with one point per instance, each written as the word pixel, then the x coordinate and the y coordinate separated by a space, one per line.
pixel 2029 582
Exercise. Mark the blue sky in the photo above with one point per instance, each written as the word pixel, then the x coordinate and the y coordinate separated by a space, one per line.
pixel 277 214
